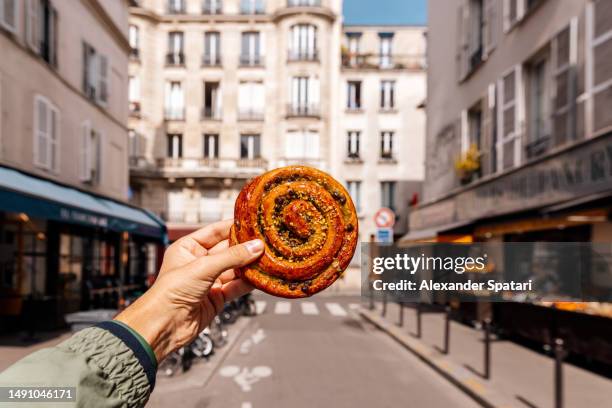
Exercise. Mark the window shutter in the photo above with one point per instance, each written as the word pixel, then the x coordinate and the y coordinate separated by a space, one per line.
pixel 8 15
pixel 465 137
pixel 103 79
pixel 462 39
pixel 54 127
pixel 511 119
pixel 97 157
pixel 33 24
pixel 85 156
pixel 490 26
pixel 262 45
pixel 314 92
pixel 40 120
pixel 54 35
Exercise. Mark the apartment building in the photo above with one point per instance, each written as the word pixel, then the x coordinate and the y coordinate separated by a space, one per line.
pixel 518 121
pixel 220 91
pixel 64 221
pixel 380 136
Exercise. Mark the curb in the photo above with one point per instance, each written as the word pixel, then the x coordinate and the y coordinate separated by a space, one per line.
pixel 472 385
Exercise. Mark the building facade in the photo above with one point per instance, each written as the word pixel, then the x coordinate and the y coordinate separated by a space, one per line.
pixel 221 91
pixel 65 225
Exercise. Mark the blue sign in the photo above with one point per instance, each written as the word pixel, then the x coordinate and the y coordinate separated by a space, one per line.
pixel 384 235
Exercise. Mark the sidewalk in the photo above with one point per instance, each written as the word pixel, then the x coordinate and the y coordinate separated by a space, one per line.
pixel 519 376
pixel 13 348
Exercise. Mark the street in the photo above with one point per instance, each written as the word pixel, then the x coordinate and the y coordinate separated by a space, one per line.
pixel 315 352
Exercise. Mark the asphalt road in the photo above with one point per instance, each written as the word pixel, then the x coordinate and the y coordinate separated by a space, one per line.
pixel 316 353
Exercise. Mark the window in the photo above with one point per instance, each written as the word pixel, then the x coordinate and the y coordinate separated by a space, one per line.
pixel 386 60
pixel 564 86
pixel 601 48
pixel 387 95
pixel 134 95
pixel 175 146
pixel 353 100
pixel 134 39
pixel 250 146
pixel 176 6
pixel 175 55
pixel 387 193
pixel 95 75
pixel 91 152
pixel 303 3
pixel 46 134
pixel 537 103
pixel 476 35
pixel 211 206
pixel 352 42
pixel 8 14
pixel 212 100
pixel 302 145
pixel 41 33
pixel 176 206
pixel 475 46
pixel 471 137
pixel 212 6
pixel 212 48
pixel 516 10
pixel 251 101
pixel 386 145
pixel 174 104
pixel 509 128
pixel 353 144
pixel 250 51
pixel 252 6
pixel 211 146
pixel 354 189
pixel 135 144
pixel 305 93
pixel 303 42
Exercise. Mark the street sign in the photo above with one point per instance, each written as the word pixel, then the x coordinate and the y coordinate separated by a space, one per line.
pixel 384 218
pixel 384 235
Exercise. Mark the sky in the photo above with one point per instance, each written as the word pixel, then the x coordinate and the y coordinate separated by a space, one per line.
pixel 412 12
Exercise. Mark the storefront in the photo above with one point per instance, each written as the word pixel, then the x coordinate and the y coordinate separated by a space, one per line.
pixel 64 250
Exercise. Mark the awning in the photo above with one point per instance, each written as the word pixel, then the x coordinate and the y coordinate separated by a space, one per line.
pixel 39 198
pixel 426 234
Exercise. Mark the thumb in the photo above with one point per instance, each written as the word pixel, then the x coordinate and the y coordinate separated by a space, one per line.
pixel 210 267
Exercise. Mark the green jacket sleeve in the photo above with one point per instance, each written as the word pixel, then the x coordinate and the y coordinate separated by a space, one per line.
pixel 109 364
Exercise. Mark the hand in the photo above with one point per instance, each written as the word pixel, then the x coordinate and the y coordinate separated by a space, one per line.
pixel 195 280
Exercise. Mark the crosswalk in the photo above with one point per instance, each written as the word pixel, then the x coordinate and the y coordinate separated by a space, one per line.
pixel 306 308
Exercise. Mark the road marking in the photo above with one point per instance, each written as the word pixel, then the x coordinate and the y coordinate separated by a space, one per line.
pixel 246 377
pixel 353 306
pixel 246 405
pixel 260 306
pixel 255 338
pixel 336 310
pixel 309 308
pixel 282 308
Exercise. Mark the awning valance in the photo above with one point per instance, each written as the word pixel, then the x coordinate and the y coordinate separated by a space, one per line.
pixel 39 198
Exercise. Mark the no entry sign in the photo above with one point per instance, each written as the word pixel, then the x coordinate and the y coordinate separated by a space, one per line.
pixel 384 218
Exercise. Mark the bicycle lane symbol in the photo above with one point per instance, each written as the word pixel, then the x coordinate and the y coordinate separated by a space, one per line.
pixel 245 377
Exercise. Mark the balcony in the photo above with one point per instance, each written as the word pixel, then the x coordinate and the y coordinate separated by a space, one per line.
pixel 303 55
pixel 176 9
pixel 305 110
pixel 175 59
pixel 192 217
pixel 210 113
pixel 173 113
pixel 251 60
pixel 303 3
pixel 211 61
pixel 538 147
pixel 134 109
pixel 201 167
pixel 415 62
pixel 207 9
pixel 252 114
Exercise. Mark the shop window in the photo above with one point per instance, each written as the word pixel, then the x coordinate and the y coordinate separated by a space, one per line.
pixel 71 266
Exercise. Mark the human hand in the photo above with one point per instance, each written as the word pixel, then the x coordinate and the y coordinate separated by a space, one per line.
pixel 195 280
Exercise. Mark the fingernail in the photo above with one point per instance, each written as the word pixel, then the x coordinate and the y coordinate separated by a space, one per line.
pixel 255 246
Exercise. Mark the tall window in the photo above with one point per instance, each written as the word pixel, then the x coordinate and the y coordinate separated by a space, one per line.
pixel 174 101
pixel 538 108
pixel 386 60
pixel 352 42
pixel 250 146
pixel 212 100
pixel 476 37
pixel 250 49
pixel 386 145
pixel 91 154
pixel 95 75
pixel 251 100
pixel 353 100
pixel 303 42
pixel 212 6
pixel 387 95
pixel 387 194
pixel 302 145
pixel 41 33
pixel 175 55
pixel 134 95
pixel 211 146
pixel 134 39
pixel 252 6
pixel 354 189
pixel 305 93
pixel 8 14
pixel 176 6
pixel 176 206
pixel 212 48
pixel 174 146
pixel 46 134
pixel 353 144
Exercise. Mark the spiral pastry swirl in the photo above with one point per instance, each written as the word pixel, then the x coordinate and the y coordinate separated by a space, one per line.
pixel 308 223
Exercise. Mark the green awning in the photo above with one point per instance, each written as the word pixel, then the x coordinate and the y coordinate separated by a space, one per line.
pixel 40 198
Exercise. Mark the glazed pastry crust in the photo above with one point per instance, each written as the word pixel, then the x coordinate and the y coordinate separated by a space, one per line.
pixel 308 223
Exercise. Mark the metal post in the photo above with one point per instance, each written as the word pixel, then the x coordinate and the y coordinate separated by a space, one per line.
pixel 447 330
pixel 418 320
pixel 559 356
pixel 487 348
pixel 401 314
pixel 372 254
pixel 383 313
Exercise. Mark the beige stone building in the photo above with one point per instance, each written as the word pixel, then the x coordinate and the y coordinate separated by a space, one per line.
pixel 68 238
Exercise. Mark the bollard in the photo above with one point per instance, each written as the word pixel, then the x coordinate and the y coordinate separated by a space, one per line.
pixel 372 254
pixel 487 348
pixel 383 312
pixel 400 323
pixel 560 354
pixel 418 320
pixel 446 349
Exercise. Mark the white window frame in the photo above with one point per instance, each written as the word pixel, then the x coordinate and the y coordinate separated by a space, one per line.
pixel 386 51
pixel 212 44
pixel 51 136
pixel 519 117
pixel 351 97
pixel 90 158
pixel 354 189
pixel 134 36
pixel 134 88
pixel 303 145
pixel 174 101
pixel 3 18
pixel 33 24
pixel 521 7
pixel 387 145
pixel 353 144
pixel 388 97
